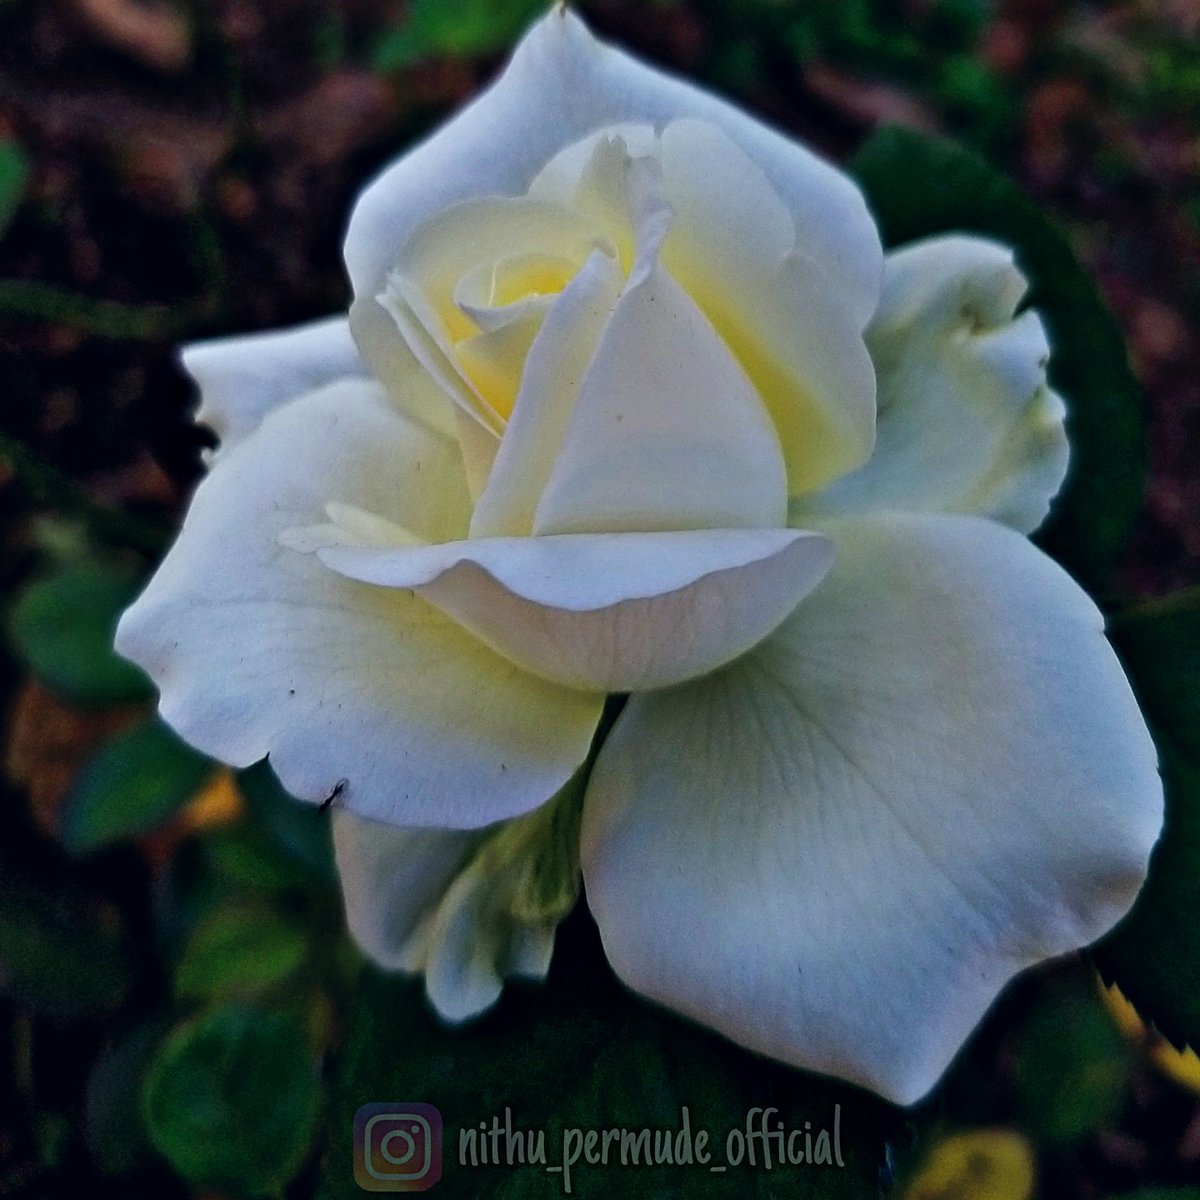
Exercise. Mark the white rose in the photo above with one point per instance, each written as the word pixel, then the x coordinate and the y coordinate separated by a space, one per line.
pixel 603 419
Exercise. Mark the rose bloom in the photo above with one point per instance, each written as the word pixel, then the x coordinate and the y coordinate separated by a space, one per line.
pixel 630 400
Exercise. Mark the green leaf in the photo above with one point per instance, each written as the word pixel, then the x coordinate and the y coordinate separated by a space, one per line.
pixel 918 186
pixel 237 951
pixel 134 782
pixel 14 175
pixel 454 29
pixel 244 857
pixel 231 1100
pixel 37 300
pixel 1073 1066
pixel 1154 954
pixel 63 628
pixel 1159 642
pixel 63 952
pixel 300 831
pixel 577 1054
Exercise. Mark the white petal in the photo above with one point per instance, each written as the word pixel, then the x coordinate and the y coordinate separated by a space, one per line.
pixel 554 372
pixel 562 85
pixel 667 432
pixel 466 909
pixel 841 848
pixel 258 649
pixel 794 330
pixel 391 878
pixel 243 378
pixel 473 944
pixel 810 364
pixel 426 341
pixel 560 179
pixel 714 187
pixel 966 420
pixel 608 612
pixel 443 251
pixel 393 364
pixel 479 446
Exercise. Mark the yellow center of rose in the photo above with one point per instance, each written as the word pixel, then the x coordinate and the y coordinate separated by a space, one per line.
pixel 474 286
pixel 492 336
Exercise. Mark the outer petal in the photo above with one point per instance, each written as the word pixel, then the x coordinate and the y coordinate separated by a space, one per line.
pixel 243 378
pixel 391 878
pixel 418 901
pixel 466 909
pixel 562 85
pixel 258 649
pixel 608 612
pixel 839 850
pixel 967 422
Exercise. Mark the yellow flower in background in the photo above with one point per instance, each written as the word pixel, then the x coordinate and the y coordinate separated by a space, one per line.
pixel 1183 1066
pixel 630 400
pixel 977 1164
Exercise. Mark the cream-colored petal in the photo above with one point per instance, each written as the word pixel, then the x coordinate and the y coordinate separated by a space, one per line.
pixel 559 181
pixel 796 335
pixel 393 364
pixel 841 848
pixel 427 340
pixel 967 422
pixel 607 612
pixel 667 431
pixel 242 378
pixel 442 252
pixel 553 375
pixel 466 909
pixel 392 877
pixel 562 85
pixel 258 649
pixel 794 331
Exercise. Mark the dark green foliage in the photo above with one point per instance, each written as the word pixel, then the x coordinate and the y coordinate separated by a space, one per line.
pixel 63 628
pixel 14 174
pixel 240 949
pixel 1154 954
pixel 136 780
pixel 582 1053
pixel 231 1100
pixel 63 952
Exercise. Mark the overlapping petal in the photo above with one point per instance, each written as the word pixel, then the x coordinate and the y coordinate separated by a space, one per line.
pixel 242 378
pixel 435 902
pixel 967 422
pixel 258 649
pixel 838 850
pixel 793 329
pixel 795 335
pixel 682 441
pixel 609 612
pixel 392 877
pixel 554 373
pixel 562 85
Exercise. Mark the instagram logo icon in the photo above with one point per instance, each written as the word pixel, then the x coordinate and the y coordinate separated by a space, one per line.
pixel 397 1147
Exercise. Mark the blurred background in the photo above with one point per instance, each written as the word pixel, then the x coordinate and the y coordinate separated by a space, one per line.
pixel 176 989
